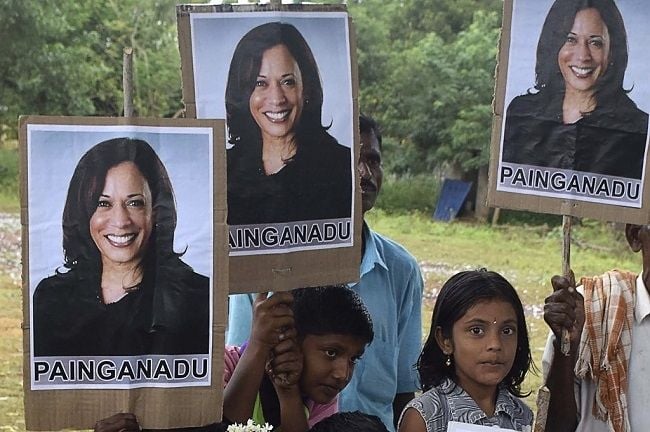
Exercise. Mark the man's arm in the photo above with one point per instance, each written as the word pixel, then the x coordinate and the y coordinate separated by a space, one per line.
pixel 562 409
pixel 564 309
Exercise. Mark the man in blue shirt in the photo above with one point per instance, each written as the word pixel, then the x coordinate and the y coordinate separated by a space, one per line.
pixel 385 378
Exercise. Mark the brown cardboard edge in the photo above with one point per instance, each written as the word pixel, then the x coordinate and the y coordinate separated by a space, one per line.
pixel 499 100
pixel 281 272
pixel 267 7
pixel 540 204
pixel 187 67
pixel 165 408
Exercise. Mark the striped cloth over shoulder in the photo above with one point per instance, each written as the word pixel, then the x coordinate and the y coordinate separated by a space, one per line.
pixel 604 352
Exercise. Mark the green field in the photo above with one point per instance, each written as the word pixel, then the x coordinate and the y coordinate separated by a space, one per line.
pixel 526 255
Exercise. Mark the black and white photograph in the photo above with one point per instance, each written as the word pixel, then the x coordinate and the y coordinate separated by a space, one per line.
pixel 577 98
pixel 120 223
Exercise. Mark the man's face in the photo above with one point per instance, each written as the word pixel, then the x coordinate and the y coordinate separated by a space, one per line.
pixel 370 170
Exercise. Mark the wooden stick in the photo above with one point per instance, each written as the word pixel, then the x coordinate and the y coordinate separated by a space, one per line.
pixel 543 394
pixel 127 81
pixel 565 345
pixel 543 399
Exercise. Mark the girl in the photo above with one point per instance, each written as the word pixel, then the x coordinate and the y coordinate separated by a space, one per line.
pixel 475 358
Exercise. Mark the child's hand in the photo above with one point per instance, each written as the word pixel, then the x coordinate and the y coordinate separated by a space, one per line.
pixel 272 319
pixel 122 422
pixel 285 366
pixel 565 309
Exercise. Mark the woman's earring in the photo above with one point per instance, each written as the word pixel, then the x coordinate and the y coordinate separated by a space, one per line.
pixel 448 360
pixel 307 101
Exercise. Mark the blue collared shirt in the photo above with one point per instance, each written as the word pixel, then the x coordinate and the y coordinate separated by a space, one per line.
pixel 391 288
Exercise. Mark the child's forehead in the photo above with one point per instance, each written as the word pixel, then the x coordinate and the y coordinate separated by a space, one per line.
pixel 490 310
pixel 341 340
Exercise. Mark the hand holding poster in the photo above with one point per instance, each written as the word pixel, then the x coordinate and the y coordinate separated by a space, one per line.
pixel 282 77
pixel 131 302
pixel 574 136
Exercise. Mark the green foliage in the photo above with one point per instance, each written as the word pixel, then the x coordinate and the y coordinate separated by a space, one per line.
pixel 65 57
pixel 408 193
pixel 426 72
pixel 9 179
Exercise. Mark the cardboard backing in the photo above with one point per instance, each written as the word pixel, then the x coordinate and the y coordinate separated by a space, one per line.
pixel 540 203
pixel 285 271
pixel 155 408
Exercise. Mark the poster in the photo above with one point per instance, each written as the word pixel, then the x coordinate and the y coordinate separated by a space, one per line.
pixel 120 283
pixel 570 134
pixel 283 78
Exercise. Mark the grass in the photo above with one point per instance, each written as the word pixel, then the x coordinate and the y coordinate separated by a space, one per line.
pixel 11 388
pixel 526 255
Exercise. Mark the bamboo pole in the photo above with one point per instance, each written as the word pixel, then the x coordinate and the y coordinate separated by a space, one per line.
pixel 127 81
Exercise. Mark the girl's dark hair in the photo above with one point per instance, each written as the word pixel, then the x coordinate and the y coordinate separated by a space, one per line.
pixel 461 292
pixel 88 179
pixel 334 309
pixel 244 68
pixel 558 24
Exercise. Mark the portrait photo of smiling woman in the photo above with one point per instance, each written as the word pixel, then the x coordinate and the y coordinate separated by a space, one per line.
pixel 579 114
pixel 284 83
pixel 123 288
pixel 283 165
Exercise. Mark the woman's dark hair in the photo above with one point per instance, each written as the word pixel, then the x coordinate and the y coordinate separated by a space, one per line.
pixel 558 24
pixel 334 309
pixel 86 186
pixel 457 296
pixel 244 69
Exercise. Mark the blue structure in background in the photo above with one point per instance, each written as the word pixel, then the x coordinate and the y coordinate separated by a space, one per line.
pixel 452 197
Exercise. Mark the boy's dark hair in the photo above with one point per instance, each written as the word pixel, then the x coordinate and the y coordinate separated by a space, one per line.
pixel 350 422
pixel 457 296
pixel 333 309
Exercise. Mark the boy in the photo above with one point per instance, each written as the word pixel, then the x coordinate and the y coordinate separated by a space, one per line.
pixel 300 355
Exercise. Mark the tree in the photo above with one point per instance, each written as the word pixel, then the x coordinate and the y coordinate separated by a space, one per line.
pixel 426 72
pixel 65 57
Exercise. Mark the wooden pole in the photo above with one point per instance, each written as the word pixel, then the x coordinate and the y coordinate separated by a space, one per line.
pixel 495 216
pixel 565 345
pixel 127 81
pixel 543 394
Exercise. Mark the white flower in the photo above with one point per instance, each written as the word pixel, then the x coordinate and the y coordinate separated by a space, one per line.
pixel 249 427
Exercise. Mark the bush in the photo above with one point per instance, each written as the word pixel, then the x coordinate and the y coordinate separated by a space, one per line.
pixel 409 192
